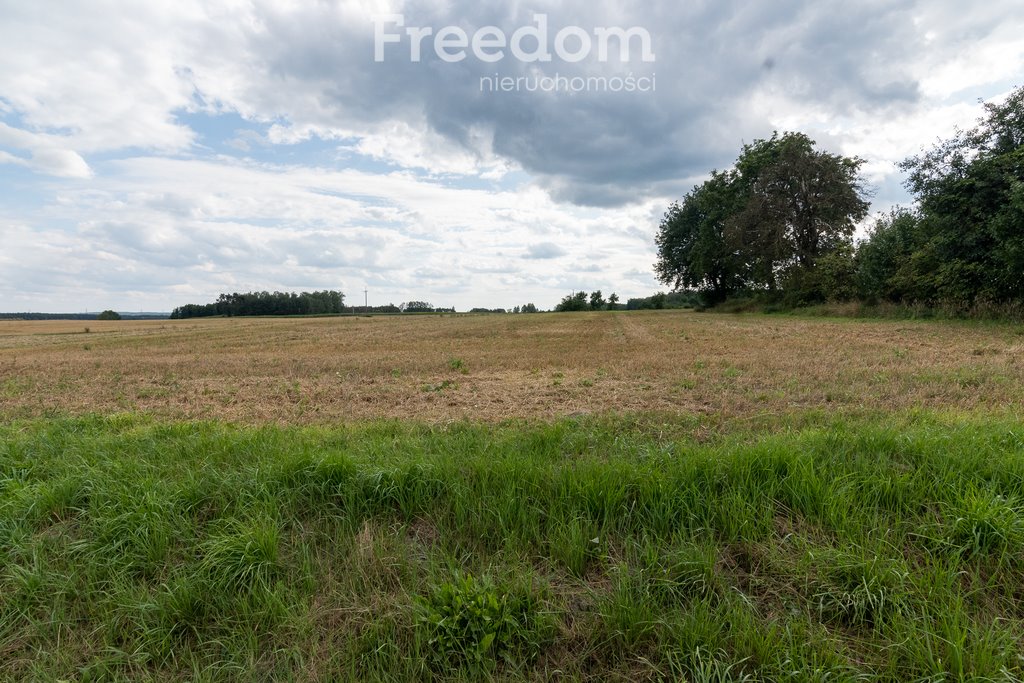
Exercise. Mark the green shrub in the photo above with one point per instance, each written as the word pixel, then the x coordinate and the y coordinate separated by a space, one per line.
pixel 471 622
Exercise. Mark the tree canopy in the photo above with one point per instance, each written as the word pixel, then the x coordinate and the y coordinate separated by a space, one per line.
pixel 765 223
pixel 577 301
pixel 965 243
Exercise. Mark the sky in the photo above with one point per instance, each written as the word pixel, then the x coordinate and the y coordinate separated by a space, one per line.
pixel 162 152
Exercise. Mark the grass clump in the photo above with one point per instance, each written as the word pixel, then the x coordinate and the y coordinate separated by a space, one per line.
pixel 858 591
pixel 439 386
pixel 458 365
pixel 984 522
pixel 242 556
pixel 575 543
pixel 680 575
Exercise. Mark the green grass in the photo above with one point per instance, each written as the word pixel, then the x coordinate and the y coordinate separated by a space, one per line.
pixel 598 549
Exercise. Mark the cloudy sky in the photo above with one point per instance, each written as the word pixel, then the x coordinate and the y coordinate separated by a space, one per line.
pixel 161 152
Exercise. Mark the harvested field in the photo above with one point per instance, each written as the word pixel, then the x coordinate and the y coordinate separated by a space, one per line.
pixel 493 368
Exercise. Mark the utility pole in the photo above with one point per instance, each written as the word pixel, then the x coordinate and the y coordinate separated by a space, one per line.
pixel 366 299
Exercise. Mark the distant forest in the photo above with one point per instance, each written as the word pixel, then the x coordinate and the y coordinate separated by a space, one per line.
pixel 333 303
pixel 266 303
pixel 48 316
pixel 105 315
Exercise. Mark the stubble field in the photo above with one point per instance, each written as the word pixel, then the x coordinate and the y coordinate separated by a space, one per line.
pixel 493 368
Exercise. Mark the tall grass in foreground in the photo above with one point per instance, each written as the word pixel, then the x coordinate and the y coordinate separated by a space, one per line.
pixel 579 550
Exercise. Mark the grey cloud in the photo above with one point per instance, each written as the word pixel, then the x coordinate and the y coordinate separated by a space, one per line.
pixel 645 277
pixel 544 250
pixel 310 66
pixel 607 149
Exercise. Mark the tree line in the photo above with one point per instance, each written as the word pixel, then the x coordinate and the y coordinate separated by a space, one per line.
pixel 579 301
pixel 525 308
pixel 103 315
pixel 47 316
pixel 423 307
pixel 780 224
pixel 266 303
pixel 595 301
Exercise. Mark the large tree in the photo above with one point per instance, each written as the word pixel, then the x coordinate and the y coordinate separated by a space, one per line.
pixel 799 203
pixel 761 224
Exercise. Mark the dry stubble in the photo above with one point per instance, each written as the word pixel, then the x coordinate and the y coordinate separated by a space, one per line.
pixel 323 370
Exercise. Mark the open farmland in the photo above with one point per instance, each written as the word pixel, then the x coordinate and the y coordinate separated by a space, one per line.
pixel 584 497
pixel 493 368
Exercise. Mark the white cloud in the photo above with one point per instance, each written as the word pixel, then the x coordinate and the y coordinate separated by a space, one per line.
pixel 420 147
pixel 46 154
pixel 104 76
pixel 63 163
pixel 269 226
